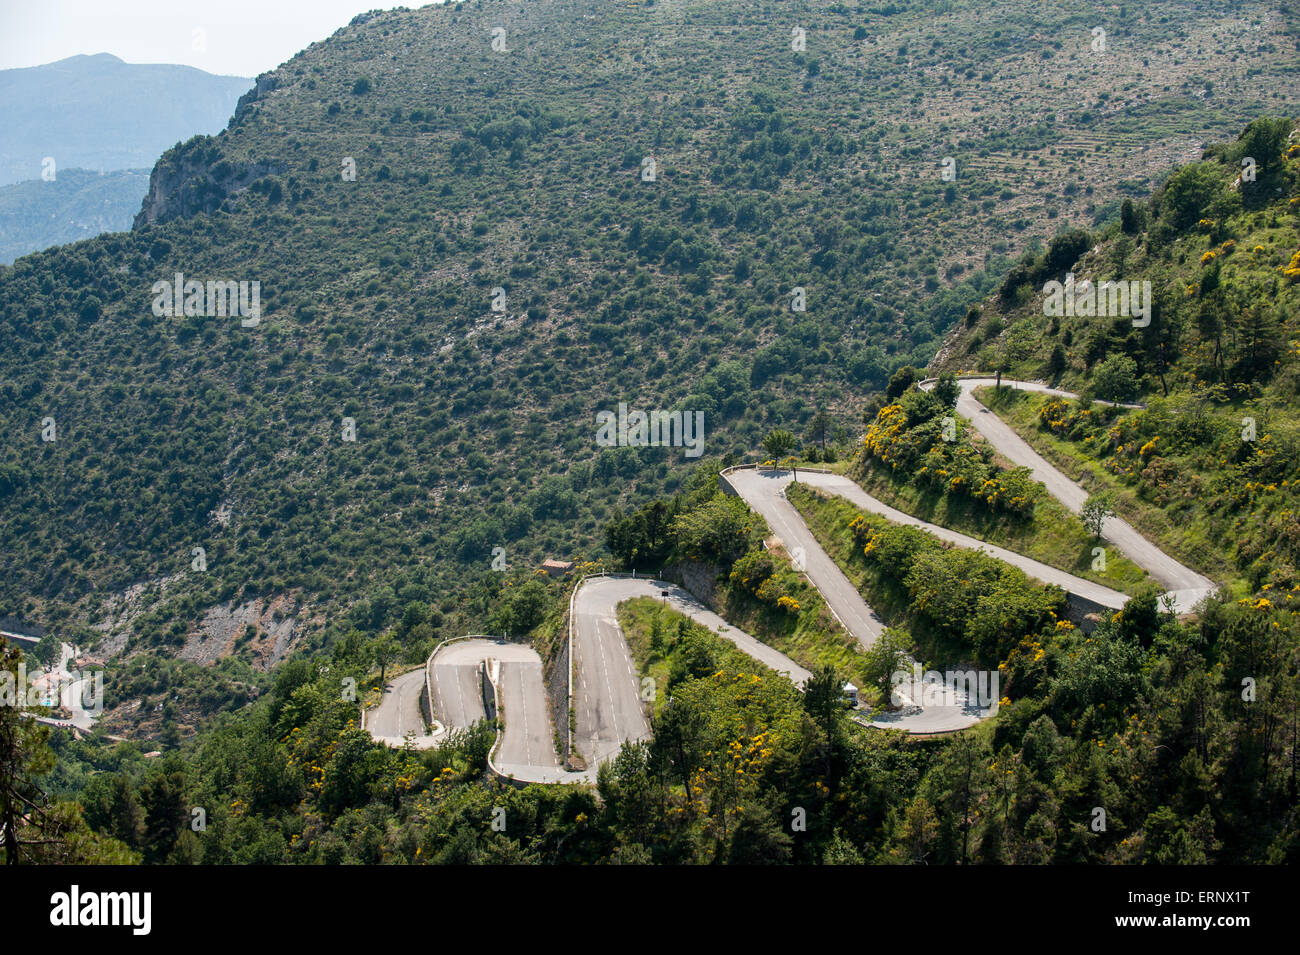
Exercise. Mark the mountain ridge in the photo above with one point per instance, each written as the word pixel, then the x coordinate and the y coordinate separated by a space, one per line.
pixel 479 170
pixel 98 112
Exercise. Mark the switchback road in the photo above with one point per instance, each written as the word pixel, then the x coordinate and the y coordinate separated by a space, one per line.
pixel 1186 587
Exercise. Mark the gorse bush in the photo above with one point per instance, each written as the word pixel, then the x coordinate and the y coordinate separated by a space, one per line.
pixel 921 440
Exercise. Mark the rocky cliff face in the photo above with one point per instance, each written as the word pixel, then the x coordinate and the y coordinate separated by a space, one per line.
pixel 194 178
pixel 246 105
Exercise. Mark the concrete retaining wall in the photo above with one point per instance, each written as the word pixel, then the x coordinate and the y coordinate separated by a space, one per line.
pixel 697 578
pixel 489 691
pixel 558 697
pixel 1081 609
pixel 426 701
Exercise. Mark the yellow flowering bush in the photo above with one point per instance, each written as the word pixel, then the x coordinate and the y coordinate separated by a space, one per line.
pixel 1292 269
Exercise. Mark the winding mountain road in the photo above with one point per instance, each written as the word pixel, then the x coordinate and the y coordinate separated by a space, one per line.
pixel 606 693
pixel 604 594
pixel 456 672
pixel 398 714
pixel 526 749
pixel 599 597
pixel 1186 587
pixel 606 702
pixel 765 492
pixel 608 709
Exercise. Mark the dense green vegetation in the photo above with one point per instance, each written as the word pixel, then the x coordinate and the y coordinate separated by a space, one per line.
pixel 1153 721
pixel 1209 467
pixel 962 604
pixel 776 170
pixel 919 435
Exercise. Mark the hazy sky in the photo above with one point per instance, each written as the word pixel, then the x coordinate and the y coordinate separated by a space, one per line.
pixel 232 37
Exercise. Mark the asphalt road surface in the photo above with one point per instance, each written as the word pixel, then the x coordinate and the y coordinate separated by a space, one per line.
pixel 940 707
pixel 398 713
pixel 763 491
pixel 1186 586
pixel 606 690
pixel 527 749
pixel 528 741
pixel 926 707
pixel 458 684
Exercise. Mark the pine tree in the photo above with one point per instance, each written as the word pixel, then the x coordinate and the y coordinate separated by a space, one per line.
pixel 33 827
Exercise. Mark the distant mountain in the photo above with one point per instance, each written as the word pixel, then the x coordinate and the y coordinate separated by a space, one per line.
pixel 78 204
pixel 99 113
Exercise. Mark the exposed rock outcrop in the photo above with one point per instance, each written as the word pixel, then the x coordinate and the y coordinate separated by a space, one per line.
pixel 194 178
pixel 245 108
pixel 267 628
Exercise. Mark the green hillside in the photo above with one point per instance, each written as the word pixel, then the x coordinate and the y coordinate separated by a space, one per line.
pixel 1209 468
pixel 775 170
pixel 662 204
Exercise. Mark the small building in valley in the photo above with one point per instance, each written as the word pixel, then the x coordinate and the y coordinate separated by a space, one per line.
pixel 556 568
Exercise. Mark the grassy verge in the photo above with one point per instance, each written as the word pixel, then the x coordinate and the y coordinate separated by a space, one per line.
pixel 654 631
pixel 1186 536
pixel 1054 535
pixel 828 518
pixel 841 466
pixel 811 638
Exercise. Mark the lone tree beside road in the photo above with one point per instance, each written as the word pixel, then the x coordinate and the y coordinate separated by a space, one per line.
pixel 824 704
pixel 886 657
pixel 900 381
pixel 819 429
pixel 1096 509
pixel 778 443
pixel 823 700
pixel 1115 379
pixel 383 651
